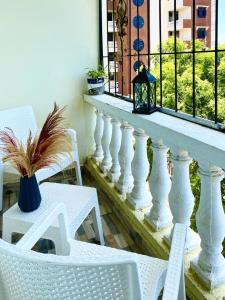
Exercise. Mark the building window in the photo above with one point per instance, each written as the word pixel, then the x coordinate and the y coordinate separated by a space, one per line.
pixel 110 36
pixel 171 16
pixel 201 33
pixel 111 56
pixel 202 11
pixel 171 33
pixel 110 16
pixel 112 76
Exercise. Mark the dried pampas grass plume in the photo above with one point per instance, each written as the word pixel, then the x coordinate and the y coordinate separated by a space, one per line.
pixel 41 151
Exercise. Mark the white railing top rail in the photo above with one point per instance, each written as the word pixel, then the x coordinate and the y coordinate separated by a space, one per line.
pixel 202 143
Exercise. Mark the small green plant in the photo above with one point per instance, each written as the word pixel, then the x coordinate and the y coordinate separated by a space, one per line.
pixel 96 73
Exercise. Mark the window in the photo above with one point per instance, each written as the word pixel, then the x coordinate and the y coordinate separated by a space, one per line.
pixel 171 33
pixel 111 56
pixel 112 76
pixel 110 16
pixel 110 36
pixel 201 33
pixel 202 11
pixel 171 16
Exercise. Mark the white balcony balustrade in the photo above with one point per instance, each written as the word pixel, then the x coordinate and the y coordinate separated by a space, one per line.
pixel 210 264
pixel 181 198
pixel 114 172
pixel 106 163
pixel 140 197
pixel 126 153
pixel 159 216
pixel 169 200
pixel 98 155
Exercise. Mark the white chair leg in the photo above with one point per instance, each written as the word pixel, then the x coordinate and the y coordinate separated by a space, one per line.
pixel 78 172
pixel 1 185
pixel 58 248
pixel 6 233
pixel 97 224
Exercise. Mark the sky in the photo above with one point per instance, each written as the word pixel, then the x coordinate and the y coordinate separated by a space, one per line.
pixel 221 21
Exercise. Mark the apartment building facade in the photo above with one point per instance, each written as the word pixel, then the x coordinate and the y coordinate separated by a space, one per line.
pixel 143 33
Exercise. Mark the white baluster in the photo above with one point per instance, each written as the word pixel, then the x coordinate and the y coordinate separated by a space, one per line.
pixel 126 153
pixel 106 163
pixel 140 197
pixel 114 172
pixel 210 219
pixel 98 155
pixel 159 216
pixel 181 199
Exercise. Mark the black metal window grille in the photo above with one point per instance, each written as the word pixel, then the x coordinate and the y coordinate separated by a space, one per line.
pixel 128 50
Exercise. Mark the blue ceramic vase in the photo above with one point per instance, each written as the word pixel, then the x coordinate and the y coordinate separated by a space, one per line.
pixel 29 194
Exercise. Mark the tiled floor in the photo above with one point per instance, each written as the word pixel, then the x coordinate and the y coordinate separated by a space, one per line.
pixel 113 236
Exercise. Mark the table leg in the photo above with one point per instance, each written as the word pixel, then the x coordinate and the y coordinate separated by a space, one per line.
pixel 7 236
pixel 97 224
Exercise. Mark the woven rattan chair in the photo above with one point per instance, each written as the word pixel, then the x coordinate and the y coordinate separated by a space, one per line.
pixel 87 271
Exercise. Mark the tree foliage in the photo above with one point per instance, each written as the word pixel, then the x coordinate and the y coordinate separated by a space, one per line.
pixel 204 93
pixel 204 79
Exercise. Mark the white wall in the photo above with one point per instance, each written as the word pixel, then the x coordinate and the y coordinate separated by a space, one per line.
pixel 45 46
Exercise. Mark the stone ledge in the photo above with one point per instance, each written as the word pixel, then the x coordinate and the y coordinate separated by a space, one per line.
pixel 154 243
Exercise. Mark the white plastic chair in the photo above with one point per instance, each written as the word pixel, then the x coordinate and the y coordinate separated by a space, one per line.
pixel 87 271
pixel 21 120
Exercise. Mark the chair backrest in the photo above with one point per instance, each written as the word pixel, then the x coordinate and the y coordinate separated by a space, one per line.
pixel 21 120
pixel 26 275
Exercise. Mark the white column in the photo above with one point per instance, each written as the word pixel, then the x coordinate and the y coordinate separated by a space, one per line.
pixel 114 172
pixel 181 199
pixel 98 155
pixel 140 197
pixel 210 220
pixel 106 163
pixel 126 153
pixel 159 216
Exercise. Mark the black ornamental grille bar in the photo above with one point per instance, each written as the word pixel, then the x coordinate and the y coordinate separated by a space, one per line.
pixel 127 32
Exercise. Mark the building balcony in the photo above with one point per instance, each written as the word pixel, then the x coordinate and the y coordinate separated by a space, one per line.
pixel 112 26
pixel 179 25
pixel 112 47
pixel 149 202
pixel 179 4
pixel 140 164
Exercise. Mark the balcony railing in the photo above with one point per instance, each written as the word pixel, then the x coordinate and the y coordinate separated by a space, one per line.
pixel 120 139
pixel 143 38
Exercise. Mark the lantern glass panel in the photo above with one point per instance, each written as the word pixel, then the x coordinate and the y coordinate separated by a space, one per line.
pixel 144 92
pixel 152 90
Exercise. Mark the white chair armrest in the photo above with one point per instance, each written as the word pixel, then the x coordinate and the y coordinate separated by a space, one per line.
pixel 42 224
pixel 174 285
pixel 73 135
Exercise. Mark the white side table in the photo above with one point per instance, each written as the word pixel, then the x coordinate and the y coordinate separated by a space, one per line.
pixel 80 201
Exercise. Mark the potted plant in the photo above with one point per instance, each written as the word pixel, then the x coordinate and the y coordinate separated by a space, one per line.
pixel 96 81
pixel 41 151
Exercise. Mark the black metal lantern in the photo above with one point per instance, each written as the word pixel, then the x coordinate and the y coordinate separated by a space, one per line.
pixel 144 92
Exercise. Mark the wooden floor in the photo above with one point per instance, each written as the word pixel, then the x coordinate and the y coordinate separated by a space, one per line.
pixel 112 233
